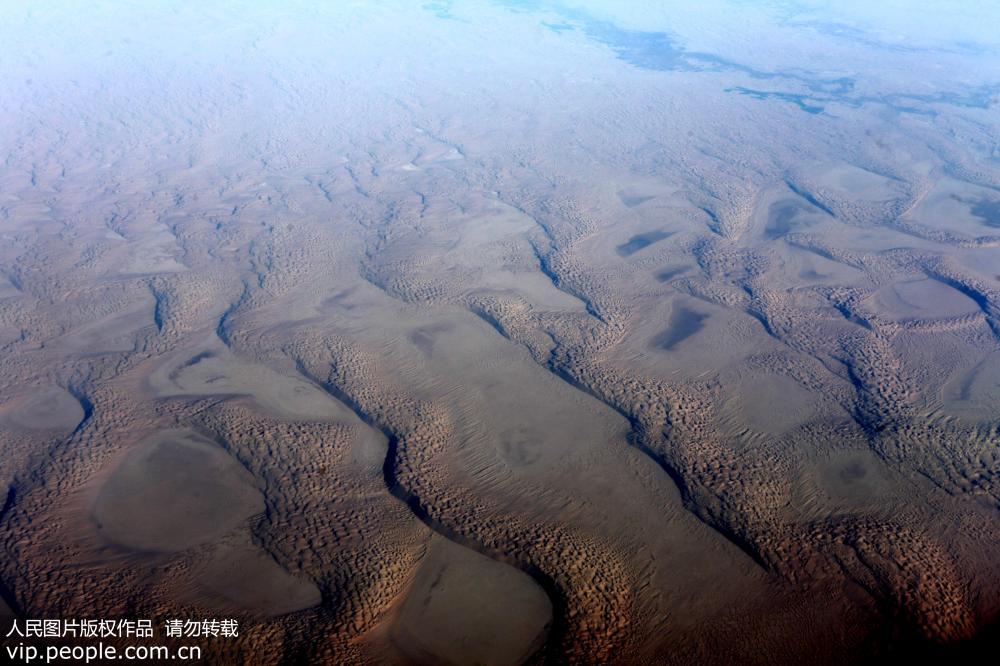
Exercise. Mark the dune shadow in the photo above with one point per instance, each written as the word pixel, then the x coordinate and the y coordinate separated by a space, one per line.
pixel 684 322
pixel 641 242
pixel 782 219
pixel 668 274
pixel 988 211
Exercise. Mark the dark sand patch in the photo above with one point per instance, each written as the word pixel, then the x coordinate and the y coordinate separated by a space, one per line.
pixel 425 337
pixel 631 200
pixel 811 274
pixel 668 274
pixel 771 404
pixel 7 288
pixel 211 369
pixel 174 491
pixel 843 482
pixel 520 448
pixel 684 323
pixel 784 217
pixel 464 608
pixel 50 409
pixel 243 578
pixel 191 362
pixel 853 480
pixel 341 300
pixel 641 242
pixel 973 395
pixel 924 298
pixel 988 211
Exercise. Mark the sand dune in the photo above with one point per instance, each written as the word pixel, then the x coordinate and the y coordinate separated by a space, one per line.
pixel 504 332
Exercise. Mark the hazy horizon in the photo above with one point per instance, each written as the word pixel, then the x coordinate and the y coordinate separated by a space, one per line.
pixel 503 332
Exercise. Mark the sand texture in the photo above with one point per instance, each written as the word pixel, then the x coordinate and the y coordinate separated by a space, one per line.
pixel 504 332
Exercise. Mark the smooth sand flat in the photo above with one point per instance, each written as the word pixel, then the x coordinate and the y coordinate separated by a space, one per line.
pixel 174 491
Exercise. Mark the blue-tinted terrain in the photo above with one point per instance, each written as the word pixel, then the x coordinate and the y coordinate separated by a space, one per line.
pixel 502 332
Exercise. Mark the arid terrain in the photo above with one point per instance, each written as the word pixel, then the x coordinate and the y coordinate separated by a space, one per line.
pixel 504 332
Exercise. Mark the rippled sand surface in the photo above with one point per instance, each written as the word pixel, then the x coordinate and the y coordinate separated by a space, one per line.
pixel 505 332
